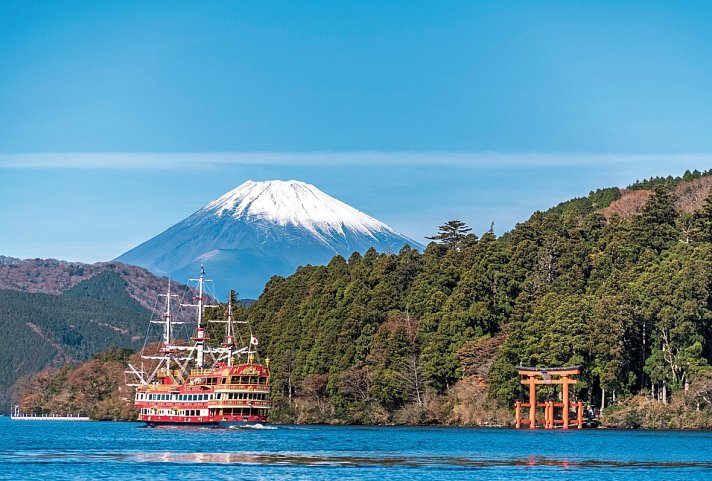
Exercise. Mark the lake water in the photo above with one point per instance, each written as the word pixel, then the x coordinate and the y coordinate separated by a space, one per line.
pixel 56 450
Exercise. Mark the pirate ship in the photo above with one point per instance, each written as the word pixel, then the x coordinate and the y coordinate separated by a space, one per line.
pixel 198 383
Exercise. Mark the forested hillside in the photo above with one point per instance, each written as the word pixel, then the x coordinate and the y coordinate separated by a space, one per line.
pixel 41 330
pixel 50 276
pixel 617 282
pixel 413 337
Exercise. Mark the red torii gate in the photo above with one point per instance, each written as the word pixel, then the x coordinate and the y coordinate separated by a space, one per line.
pixel 549 375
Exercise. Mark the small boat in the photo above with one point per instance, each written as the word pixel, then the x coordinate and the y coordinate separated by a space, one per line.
pixel 199 384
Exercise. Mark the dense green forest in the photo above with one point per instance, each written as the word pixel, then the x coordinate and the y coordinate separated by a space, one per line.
pixel 393 337
pixel 41 330
pixel 435 336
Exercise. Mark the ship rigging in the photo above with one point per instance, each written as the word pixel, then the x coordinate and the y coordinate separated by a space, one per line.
pixel 200 383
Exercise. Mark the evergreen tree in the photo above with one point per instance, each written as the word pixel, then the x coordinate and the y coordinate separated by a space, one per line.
pixel 452 233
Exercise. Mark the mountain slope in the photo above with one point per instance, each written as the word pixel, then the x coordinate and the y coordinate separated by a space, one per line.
pixel 261 229
pixel 41 330
pixel 51 276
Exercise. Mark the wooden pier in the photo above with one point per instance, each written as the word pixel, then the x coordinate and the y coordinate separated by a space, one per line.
pixel 18 416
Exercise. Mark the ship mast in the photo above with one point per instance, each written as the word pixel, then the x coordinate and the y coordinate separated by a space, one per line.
pixel 167 350
pixel 200 335
pixel 229 348
pixel 168 324
pixel 229 339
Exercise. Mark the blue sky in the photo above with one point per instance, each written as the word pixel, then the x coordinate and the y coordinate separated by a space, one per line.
pixel 118 119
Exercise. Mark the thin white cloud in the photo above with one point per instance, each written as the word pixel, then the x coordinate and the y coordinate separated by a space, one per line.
pixel 213 160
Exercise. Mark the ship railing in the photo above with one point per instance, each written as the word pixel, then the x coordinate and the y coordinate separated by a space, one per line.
pixel 160 387
pixel 238 403
pixel 242 387
pixel 201 372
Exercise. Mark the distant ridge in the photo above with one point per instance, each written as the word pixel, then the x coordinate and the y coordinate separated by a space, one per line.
pixel 52 276
pixel 262 229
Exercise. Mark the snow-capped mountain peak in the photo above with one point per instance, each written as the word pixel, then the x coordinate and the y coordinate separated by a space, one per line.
pixel 262 229
pixel 294 203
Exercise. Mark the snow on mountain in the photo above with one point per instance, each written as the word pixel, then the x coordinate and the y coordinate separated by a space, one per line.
pixel 298 204
pixel 261 229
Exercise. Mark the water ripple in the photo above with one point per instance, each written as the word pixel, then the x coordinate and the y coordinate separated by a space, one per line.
pixel 299 459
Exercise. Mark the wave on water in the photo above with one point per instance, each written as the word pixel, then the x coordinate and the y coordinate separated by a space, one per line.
pixel 252 426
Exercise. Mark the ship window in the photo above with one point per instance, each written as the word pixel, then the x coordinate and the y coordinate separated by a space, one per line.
pixel 235 380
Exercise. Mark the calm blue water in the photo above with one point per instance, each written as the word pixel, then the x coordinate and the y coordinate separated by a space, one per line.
pixel 56 450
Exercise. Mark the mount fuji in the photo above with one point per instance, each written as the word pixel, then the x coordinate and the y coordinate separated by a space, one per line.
pixel 261 229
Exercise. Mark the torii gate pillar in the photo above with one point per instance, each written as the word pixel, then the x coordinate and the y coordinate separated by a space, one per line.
pixel 556 375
